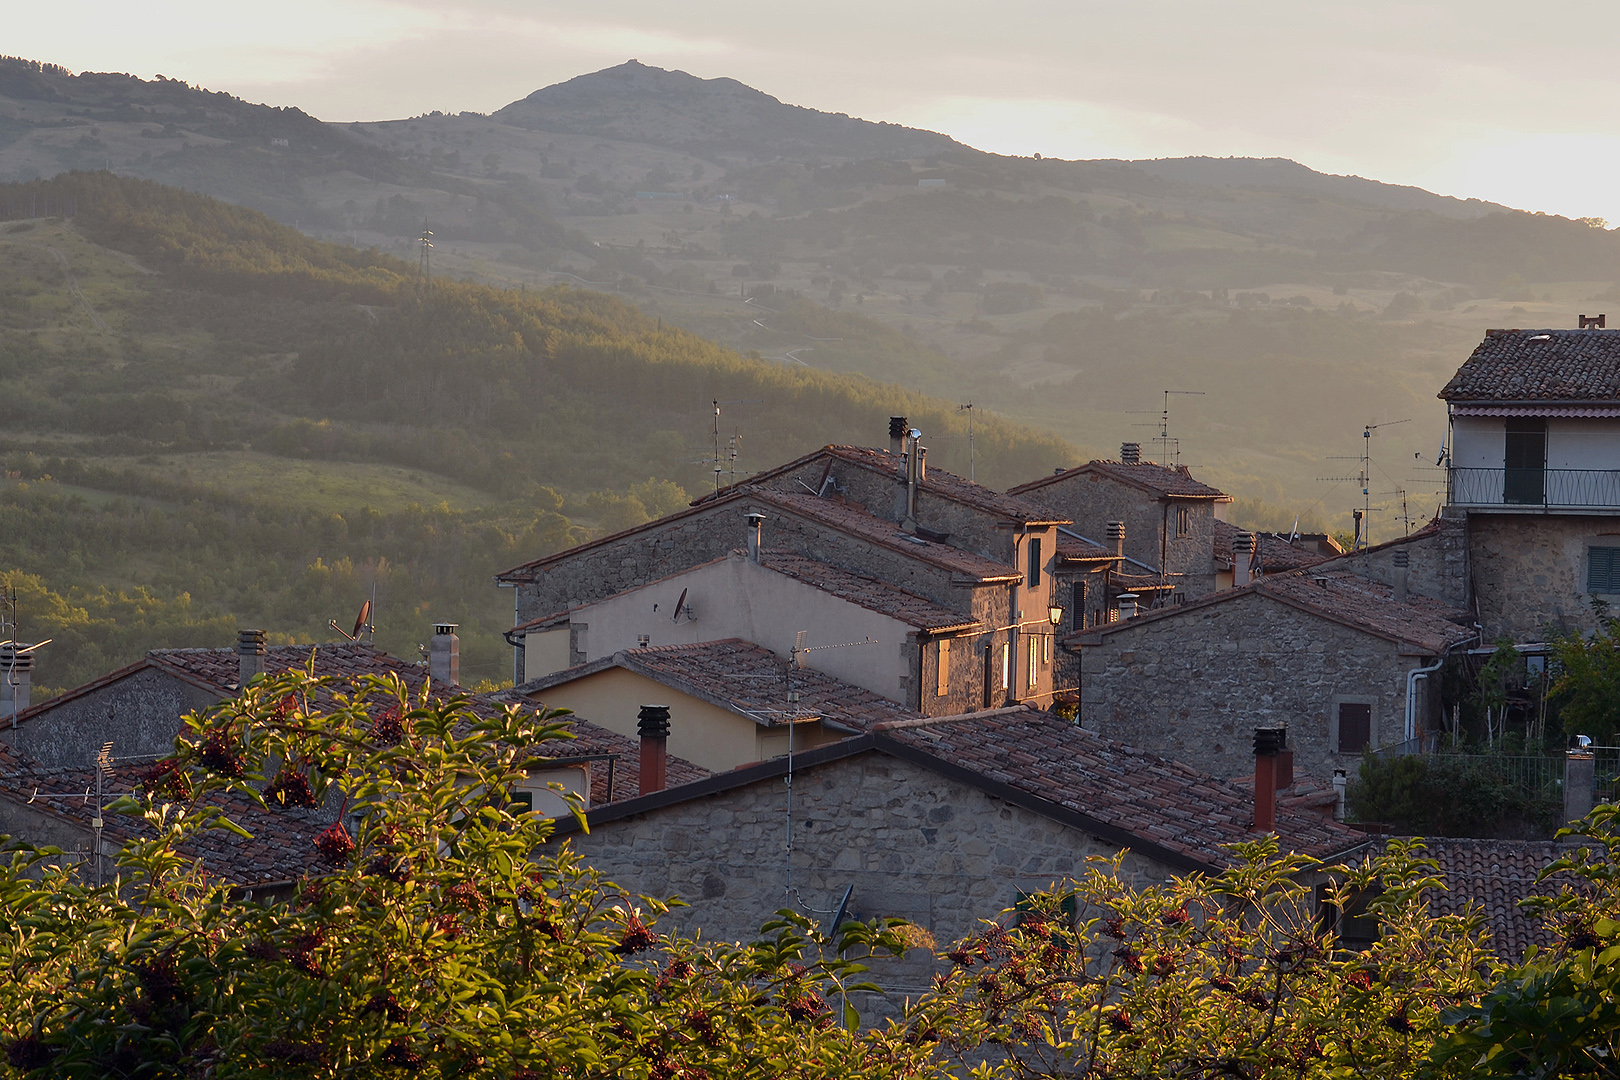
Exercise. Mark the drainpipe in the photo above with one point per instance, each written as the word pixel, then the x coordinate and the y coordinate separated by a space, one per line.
pixel 1411 691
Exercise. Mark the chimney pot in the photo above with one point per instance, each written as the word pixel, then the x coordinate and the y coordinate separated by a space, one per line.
pixel 754 523
pixel 1403 563
pixel 1116 538
pixel 1269 745
pixel 1579 783
pixel 652 723
pixel 250 652
pixel 444 656
pixel 1242 556
pixel 16 679
pixel 1130 453
pixel 1127 606
pixel 897 434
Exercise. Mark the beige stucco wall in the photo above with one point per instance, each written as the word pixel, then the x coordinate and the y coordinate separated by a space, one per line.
pixel 738 598
pixel 703 734
pixel 545 651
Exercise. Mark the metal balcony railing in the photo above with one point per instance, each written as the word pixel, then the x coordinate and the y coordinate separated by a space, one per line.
pixel 1544 488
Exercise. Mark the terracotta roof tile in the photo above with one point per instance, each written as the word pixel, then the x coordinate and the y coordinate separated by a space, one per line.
pixel 946 485
pixel 1495 875
pixel 1276 553
pixel 1172 804
pixel 1077 549
pixel 867 592
pixel 1175 481
pixel 1540 365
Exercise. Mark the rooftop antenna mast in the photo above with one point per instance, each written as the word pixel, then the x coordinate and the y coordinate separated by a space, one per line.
pixel 1363 478
pixel 968 408
pixel 717 462
pixel 1169 447
pixel 14 650
pixel 424 262
pixel 794 715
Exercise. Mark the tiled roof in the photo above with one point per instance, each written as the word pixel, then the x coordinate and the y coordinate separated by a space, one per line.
pixel 1075 549
pixel 1175 481
pixel 1139 583
pixel 1276 553
pixel 1540 365
pixel 281 846
pixel 937 482
pixel 854 521
pixel 741 677
pixel 868 592
pixel 1348 599
pixel 1164 802
pixel 1496 875
pixel 351 660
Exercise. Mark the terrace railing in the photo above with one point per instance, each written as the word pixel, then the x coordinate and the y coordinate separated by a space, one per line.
pixel 1563 489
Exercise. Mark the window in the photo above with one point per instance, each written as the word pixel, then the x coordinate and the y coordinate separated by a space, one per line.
pixel 1077 606
pixel 1046 648
pixel 987 670
pixel 943 666
pixel 1525 464
pixel 1603 570
pixel 1183 521
pixel 1356 927
pixel 1034 664
pixel 1033 577
pixel 1355 727
pixel 1006 667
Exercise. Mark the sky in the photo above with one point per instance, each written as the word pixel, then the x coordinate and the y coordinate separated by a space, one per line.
pixel 1508 102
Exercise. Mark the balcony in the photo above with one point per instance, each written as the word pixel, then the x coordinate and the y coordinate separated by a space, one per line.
pixel 1565 490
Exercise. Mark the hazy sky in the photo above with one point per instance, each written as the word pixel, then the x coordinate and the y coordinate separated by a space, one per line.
pixel 1509 102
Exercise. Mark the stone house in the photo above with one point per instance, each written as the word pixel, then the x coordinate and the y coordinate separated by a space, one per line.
pixel 728 702
pixel 136 710
pixel 1241 555
pixel 1341 660
pixel 1009 656
pixel 940 821
pixel 1534 472
pixel 1168 517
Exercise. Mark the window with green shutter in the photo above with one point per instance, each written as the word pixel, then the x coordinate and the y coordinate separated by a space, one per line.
pixel 1603 570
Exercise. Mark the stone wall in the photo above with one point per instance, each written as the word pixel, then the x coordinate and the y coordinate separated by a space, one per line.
pixel 139 714
pixel 1439 563
pixel 1195 684
pixel 912 843
pixel 1530 572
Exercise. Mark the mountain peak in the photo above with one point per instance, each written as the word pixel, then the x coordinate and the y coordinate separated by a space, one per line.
pixel 640 103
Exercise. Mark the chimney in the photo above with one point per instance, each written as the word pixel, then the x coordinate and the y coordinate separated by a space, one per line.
pixel 16 679
pixel 652 723
pixel 922 464
pixel 249 655
pixel 1269 744
pixel 1130 453
pixel 1127 606
pixel 1116 538
pixel 444 656
pixel 1578 782
pixel 914 455
pixel 1242 553
pixel 897 434
pixel 1594 322
pixel 754 522
pixel 1341 784
pixel 1403 563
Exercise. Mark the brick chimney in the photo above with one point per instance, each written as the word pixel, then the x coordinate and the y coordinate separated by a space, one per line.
pixel 1130 453
pixel 1403 563
pixel 1270 744
pixel 653 725
pixel 754 523
pixel 249 655
pixel 1116 538
pixel 444 656
pixel 16 679
pixel 1242 553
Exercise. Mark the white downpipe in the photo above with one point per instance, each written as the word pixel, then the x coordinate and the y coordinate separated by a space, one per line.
pixel 1411 695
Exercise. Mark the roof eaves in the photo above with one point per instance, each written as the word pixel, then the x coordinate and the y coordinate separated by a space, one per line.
pixel 109 679
pixel 522 574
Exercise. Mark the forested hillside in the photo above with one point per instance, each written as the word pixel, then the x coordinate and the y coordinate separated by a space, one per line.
pixel 212 419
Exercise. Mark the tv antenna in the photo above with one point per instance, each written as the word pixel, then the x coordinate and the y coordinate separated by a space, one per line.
pixel 14 651
pixel 968 408
pixel 717 462
pixel 424 261
pixel 1363 478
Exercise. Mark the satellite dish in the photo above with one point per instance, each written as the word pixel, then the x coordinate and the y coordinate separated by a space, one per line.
pixel 680 605
pixel 362 621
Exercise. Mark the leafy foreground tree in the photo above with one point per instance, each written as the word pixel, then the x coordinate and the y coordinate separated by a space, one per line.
pixel 437 945
pixel 1229 976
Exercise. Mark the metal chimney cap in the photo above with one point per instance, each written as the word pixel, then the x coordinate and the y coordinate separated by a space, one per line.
pixel 1269 742
pixel 755 520
pixel 444 629
pixel 652 722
